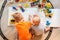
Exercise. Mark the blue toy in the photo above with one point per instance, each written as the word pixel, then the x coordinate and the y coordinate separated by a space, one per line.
pixel 48 1
pixel 14 8
pixel 22 9
pixel 49 11
pixel 48 23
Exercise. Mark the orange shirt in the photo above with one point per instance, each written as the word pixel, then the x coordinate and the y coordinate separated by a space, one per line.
pixel 23 30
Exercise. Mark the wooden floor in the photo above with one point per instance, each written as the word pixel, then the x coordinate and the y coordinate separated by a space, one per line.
pixel 55 34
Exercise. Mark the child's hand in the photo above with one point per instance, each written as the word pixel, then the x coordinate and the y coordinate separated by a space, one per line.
pixel 47 29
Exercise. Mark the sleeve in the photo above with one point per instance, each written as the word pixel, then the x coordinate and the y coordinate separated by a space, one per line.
pixel 29 24
pixel 18 26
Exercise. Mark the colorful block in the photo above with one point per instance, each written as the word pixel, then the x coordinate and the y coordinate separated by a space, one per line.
pixel 50 15
pixel 14 8
pixel 32 4
pixel 16 0
pixel 39 5
pixel 49 11
pixel 42 5
pixel 48 5
pixel 47 14
pixel 22 9
pixel 44 1
pixel 32 0
pixel 21 0
pixel 48 23
pixel 26 5
pixel 12 21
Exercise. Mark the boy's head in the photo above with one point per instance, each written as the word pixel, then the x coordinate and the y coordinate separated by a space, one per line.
pixel 36 20
pixel 17 16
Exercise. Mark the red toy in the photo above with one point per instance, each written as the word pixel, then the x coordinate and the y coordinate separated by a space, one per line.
pixel 42 5
pixel 16 0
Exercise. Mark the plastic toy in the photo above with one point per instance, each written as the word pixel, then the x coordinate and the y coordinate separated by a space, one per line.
pixel 48 23
pixel 49 11
pixel 26 5
pixel 15 8
pixel 45 11
pixel 42 5
pixel 48 1
pixel 45 6
pixel 32 0
pixel 16 0
pixel 44 1
pixel 21 8
pixel 37 2
pixel 48 5
pixel 12 21
pixel 21 0
pixel 32 4
pixel 46 14
pixel 39 5
pixel 50 15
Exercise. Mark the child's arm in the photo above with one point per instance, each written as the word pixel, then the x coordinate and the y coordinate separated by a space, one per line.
pixel 47 29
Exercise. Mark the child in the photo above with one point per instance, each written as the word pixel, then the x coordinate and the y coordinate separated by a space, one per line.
pixel 22 27
pixel 37 28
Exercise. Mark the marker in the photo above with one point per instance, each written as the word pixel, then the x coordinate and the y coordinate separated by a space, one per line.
pixel 14 8
pixel 21 8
